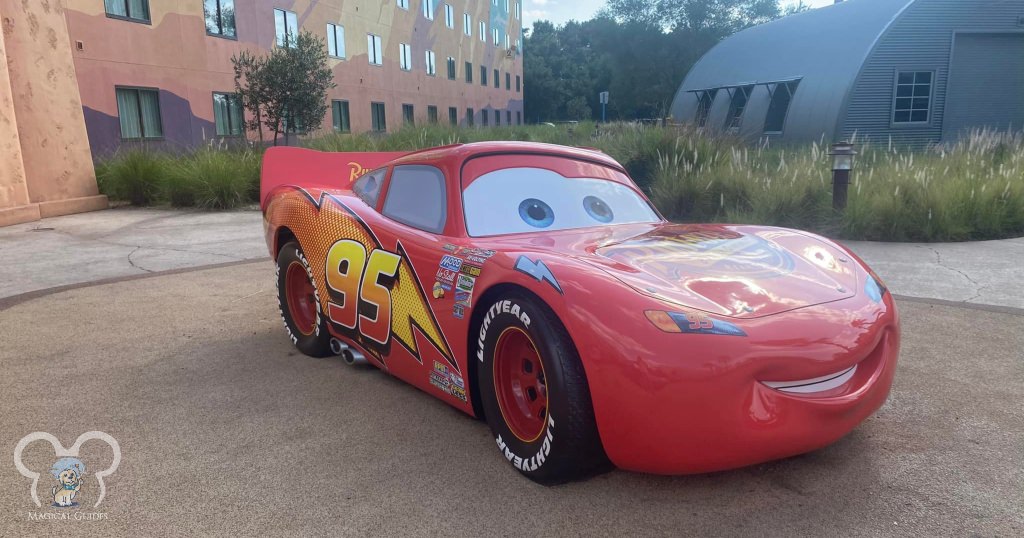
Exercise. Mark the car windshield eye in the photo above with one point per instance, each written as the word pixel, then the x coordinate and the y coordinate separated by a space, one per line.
pixel 536 213
pixel 597 209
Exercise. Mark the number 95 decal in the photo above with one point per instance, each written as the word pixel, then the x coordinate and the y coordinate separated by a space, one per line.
pixel 360 288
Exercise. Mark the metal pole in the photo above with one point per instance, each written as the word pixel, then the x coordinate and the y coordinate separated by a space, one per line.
pixel 840 188
pixel 603 106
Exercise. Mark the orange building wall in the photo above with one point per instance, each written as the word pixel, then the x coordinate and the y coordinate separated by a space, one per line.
pixel 48 168
pixel 174 54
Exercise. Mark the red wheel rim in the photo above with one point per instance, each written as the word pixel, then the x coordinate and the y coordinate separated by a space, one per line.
pixel 301 298
pixel 520 384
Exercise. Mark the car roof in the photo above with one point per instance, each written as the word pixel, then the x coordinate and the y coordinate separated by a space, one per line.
pixel 461 152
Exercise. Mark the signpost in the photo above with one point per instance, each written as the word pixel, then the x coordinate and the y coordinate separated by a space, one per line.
pixel 604 104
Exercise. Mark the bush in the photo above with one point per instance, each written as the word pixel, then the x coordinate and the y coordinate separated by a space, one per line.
pixel 136 176
pixel 970 190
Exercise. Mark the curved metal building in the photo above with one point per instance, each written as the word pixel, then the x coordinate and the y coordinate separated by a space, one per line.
pixel 911 71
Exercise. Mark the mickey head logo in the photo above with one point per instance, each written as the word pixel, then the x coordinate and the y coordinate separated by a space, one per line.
pixel 72 452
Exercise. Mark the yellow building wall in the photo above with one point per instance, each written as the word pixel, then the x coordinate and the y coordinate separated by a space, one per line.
pixel 47 169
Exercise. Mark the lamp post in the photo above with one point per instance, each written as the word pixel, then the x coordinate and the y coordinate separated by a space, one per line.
pixel 842 165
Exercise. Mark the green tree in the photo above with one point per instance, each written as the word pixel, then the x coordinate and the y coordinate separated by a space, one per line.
pixel 285 92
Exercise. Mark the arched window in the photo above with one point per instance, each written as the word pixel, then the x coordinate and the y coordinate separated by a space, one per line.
pixel 782 96
pixel 737 104
pixel 705 98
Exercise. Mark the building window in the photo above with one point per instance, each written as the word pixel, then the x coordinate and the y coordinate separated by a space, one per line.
pixel 483 31
pixel 497 79
pixel 449 16
pixel 227 114
pixel 431 65
pixel 429 7
pixel 469 72
pixel 913 97
pixel 484 118
pixel 134 10
pixel 408 116
pixel 404 4
pixel 737 104
pixel 374 50
pixel 508 81
pixel 342 121
pixel 508 117
pixel 453 115
pixel 451 68
pixel 519 117
pixel 379 122
pixel 705 98
pixel 519 10
pixel 467 24
pixel 483 75
pixel 286 25
pixel 291 124
pixel 405 57
pixel 508 42
pixel 431 114
pixel 336 40
pixel 497 117
pixel 496 35
pixel 138 109
pixel 469 117
pixel 220 17
pixel 782 96
pixel 518 83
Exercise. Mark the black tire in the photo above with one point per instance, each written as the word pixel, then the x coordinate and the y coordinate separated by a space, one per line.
pixel 569 447
pixel 315 342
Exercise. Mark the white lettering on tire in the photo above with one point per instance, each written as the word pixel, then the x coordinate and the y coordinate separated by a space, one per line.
pixel 500 307
pixel 537 460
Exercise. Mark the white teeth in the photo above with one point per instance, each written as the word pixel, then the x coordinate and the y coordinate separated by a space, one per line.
pixel 817 384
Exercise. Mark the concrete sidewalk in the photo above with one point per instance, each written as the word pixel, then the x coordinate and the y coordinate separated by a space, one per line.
pixel 129 241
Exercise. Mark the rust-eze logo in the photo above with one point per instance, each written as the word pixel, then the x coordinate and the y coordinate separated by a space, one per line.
pixel 62 483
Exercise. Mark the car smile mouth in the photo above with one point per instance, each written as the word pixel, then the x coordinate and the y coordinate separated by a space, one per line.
pixel 816 384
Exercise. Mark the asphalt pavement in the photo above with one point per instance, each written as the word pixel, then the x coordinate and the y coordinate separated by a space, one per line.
pixel 225 429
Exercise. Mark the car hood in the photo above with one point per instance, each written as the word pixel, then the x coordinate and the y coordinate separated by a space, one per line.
pixel 736 271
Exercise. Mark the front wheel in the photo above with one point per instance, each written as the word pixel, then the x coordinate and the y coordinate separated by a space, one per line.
pixel 299 303
pixel 535 393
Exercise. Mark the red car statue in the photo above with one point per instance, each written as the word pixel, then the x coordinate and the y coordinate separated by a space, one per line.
pixel 535 286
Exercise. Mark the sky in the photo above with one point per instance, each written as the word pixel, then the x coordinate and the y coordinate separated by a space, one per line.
pixel 561 11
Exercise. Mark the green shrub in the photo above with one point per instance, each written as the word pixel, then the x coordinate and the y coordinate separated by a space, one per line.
pixel 135 175
pixel 214 179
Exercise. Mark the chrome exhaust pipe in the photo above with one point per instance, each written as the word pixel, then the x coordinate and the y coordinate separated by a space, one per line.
pixel 353 357
pixel 337 347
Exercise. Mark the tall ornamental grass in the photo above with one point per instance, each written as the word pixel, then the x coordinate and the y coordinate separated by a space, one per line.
pixel 973 189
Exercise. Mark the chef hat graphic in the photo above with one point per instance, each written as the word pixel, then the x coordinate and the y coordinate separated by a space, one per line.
pixel 67 458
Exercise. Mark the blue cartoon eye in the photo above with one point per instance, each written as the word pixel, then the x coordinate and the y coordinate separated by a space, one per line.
pixel 536 213
pixel 597 209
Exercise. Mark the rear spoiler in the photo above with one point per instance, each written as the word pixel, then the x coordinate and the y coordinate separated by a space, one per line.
pixel 301 167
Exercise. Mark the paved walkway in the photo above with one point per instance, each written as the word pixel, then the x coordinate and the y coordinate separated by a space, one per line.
pixel 128 241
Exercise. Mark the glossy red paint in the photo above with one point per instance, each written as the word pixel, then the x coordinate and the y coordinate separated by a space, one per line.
pixel 301 300
pixel 664 402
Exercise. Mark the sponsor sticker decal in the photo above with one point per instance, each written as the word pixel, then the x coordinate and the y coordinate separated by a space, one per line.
pixel 464 297
pixel 438 290
pixel 471 270
pixel 459 392
pixel 465 283
pixel 444 275
pixel 459 311
pixel 451 263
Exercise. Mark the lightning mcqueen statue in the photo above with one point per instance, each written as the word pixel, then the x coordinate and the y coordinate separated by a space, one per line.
pixel 535 286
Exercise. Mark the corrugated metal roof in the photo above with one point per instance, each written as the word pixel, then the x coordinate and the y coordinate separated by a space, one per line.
pixel 825 47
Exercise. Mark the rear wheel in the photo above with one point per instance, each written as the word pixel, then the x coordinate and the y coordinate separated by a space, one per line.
pixel 299 303
pixel 535 395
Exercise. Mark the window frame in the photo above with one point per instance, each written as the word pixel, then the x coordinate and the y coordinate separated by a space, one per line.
pixel 508 81
pixel 241 111
pixel 470 117
pixel 374 49
pixel 403 4
pixel 895 96
pixel 443 206
pixel 289 43
pixel 467 23
pixel 483 31
pixel 346 119
pixel 408 114
pixel 449 16
pixel 431 60
pixel 790 87
pixel 432 118
pixel 519 84
pixel 701 120
pixel 405 56
pixel 344 51
pixel 497 78
pixel 483 75
pixel 453 116
pixel 220 22
pixel 429 7
pixel 383 117
pixel 148 20
pixel 469 72
pixel 142 127
pixel 734 117
pixel 450 64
